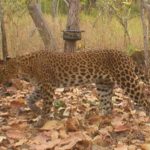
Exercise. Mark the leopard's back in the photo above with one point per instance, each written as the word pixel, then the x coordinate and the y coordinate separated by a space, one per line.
pixel 87 67
pixel 63 69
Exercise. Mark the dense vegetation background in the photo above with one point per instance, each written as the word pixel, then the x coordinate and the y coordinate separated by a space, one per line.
pixel 105 24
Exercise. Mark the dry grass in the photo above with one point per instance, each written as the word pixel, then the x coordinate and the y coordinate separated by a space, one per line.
pixel 23 36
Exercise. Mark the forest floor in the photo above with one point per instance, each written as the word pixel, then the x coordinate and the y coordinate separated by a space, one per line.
pixel 77 124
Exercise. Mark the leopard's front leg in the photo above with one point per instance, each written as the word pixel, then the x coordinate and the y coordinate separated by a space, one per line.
pixel 47 96
pixel 33 98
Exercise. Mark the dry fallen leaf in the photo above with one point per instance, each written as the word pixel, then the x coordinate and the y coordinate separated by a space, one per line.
pixel 15 134
pixel 3 148
pixel 54 135
pixel 145 146
pixel 92 130
pixel 63 134
pixel 98 140
pixel 17 84
pixel 95 119
pixel 117 121
pixel 2 138
pixel 52 124
pixel 72 140
pixel 72 124
pixel 121 147
pixel 97 147
pixel 20 142
pixel 121 128
pixel 4 114
pixel 132 147
pixel 43 145
pixel 20 102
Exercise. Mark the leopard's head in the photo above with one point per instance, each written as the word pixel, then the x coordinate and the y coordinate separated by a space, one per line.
pixel 7 70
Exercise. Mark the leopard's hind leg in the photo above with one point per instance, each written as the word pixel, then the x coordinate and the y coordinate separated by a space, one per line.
pixel 133 88
pixel 105 92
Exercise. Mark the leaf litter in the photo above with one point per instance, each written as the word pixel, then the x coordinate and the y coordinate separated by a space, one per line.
pixel 76 123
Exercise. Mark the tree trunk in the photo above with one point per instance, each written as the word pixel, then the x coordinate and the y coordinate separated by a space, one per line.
pixel 39 5
pixel 72 23
pixel 148 29
pixel 4 39
pixel 42 26
pixel 126 33
pixel 91 4
pixel 54 8
pixel 145 36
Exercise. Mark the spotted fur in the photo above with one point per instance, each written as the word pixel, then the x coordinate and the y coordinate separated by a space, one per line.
pixel 49 70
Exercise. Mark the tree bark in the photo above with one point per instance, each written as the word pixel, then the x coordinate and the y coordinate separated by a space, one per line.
pixel 54 8
pixel 4 38
pixel 72 23
pixel 148 29
pixel 42 26
pixel 145 39
pixel 91 4
pixel 145 36
pixel 126 33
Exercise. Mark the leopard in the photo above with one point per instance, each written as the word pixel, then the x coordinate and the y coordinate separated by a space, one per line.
pixel 48 70
pixel 139 58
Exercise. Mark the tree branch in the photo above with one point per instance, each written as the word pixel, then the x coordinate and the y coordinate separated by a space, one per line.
pixel 146 5
pixel 67 3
